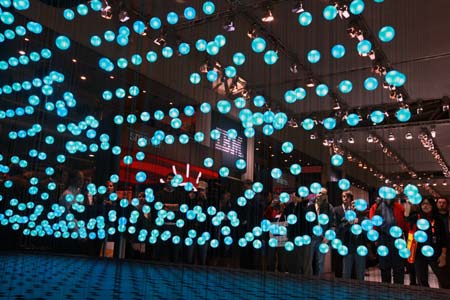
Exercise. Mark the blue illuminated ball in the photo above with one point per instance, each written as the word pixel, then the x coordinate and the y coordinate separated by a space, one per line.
pixel 230 71
pixel 172 18
pixel 224 106
pixel 377 220
pixel 139 27
pixel 259 101
pixel 287 147
pixel 290 96
pixel 372 235
pixel 195 78
pixel 323 219
pixel 410 190
pixel 155 23
pixel 221 40
pixel 276 173
pixel 420 236
pixel 305 18
pixel 423 224
pixel 362 251
pixel 212 76
pixel 313 56
pixel 416 199
pixel 212 48
pixel 388 193
pixel 403 115
pixel 224 172
pixel 395 231
pixel 353 119
pixel 270 57
pixel 259 45
pixel 82 9
pixel 238 59
pixel 400 244
pixel 364 47
pixel 200 45
pixel 96 41
pixel 329 123
pixel 141 176
pixel 184 48
pixel 69 14
pixel 324 248
pixel 190 13
pixel 345 86
pixel 382 250
pixel 344 184
pixel 122 40
pixel 300 93
pixel 404 253
pixel 338 51
pixel 371 83
pixel 322 90
pixel 209 8
pixel 310 216
pixel 360 204
pixel 377 116
pixel 21 4
pixel 330 12
pixel 356 229
pixel 315 188
pixel 268 130
pixel 343 250
pixel 151 56
pixel 62 42
pixel 167 52
pixel 357 7
pixel 241 164
pixel 303 191
pixel 337 160
pixel 386 34
pixel 427 251
pixel 350 215
pixel 308 124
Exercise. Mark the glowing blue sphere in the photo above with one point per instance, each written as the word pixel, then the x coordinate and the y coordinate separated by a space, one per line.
pixel 395 232
pixel 344 184
pixel 352 119
pixel 377 116
pixel 224 172
pixel 220 40
pixel 416 199
pixel 238 59
pixel 287 147
pixel 300 93
pixel 322 90
pixel 200 45
pixel 345 86
pixel 387 193
pixel 386 34
pixel 330 12
pixel 141 177
pixel 356 229
pixel 303 191
pixel 172 18
pixel 423 224
pixel 329 123
pixel 139 27
pixel 403 115
pixel 313 56
pixel 382 250
pixel 195 78
pixel 62 42
pixel 364 47
pixel 338 51
pixel 224 106
pixel 276 173
pixel 357 7
pixel 69 14
pixel 155 23
pixel 410 190
pixel 400 244
pixel 362 251
pixel 350 215
pixel 371 83
pixel 190 13
pixel 427 251
pixel 270 57
pixel 305 18
pixel 343 250
pixel 372 235
pixel 420 236
pixel 212 48
pixel 184 48
pixel 337 160
pixel 308 124
pixel 230 71
pixel 209 8
pixel 259 45
pixel 315 188
pixel 360 204
pixel 82 9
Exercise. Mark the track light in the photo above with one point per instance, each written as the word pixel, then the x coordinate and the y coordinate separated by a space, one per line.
pixel 409 135
pixel 123 16
pixel 391 137
pixel 445 107
pixel 419 109
pixel 298 8
pixel 106 11
pixel 343 12
pixel 433 132
pixel 292 123
pixel 294 68
pixel 336 105
pixel 311 83
pixel 252 33
pixel 229 24
pixel 313 136
pixel 268 17
pixel 160 40
pixel 351 140
pixel 370 139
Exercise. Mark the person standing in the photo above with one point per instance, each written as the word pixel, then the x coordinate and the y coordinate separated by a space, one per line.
pixel 391 265
pixel 352 241
pixel 444 215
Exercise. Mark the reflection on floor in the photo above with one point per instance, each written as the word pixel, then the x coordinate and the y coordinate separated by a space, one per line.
pixel 35 276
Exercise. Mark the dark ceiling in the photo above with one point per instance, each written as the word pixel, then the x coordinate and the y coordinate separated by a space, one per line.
pixel 420 50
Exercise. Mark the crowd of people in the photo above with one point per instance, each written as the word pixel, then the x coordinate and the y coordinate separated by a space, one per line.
pixel 169 224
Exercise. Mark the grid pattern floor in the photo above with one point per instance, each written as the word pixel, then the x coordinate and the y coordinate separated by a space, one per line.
pixel 36 276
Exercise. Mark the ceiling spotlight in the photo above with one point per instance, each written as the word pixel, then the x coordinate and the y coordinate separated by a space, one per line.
pixel 343 12
pixel 444 183
pixel 252 33
pixel 409 135
pixel 229 25
pixel 293 68
pixel 311 83
pixel 370 139
pixel 445 107
pixel 298 8
pixel 336 105
pixel 433 132
pixel 82 77
pixel 391 137
pixel 123 16
pixel 106 11
pixel 400 97
pixel 351 140
pixel 419 109
pixel 21 52
pixel 160 40
pixel 372 55
pixel 268 17
pixel 313 136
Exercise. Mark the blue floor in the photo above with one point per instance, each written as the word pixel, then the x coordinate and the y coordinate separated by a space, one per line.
pixel 36 276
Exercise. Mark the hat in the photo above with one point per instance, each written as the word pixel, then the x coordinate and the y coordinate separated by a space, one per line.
pixel 202 185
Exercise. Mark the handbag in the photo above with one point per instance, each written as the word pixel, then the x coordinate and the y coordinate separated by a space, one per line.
pixel 412 246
